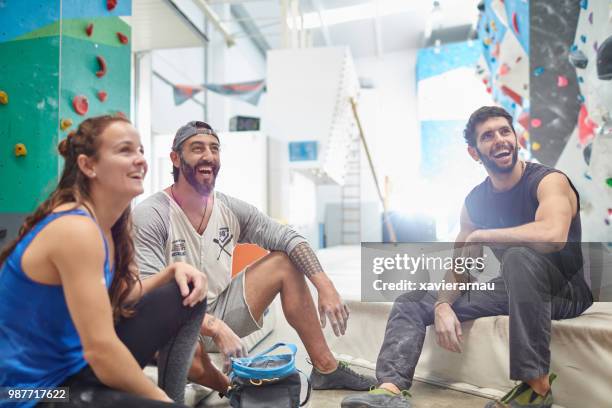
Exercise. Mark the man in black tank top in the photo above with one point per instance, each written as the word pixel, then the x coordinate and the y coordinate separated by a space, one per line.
pixel 529 215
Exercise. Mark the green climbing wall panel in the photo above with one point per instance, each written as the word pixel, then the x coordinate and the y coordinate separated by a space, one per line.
pixel 41 70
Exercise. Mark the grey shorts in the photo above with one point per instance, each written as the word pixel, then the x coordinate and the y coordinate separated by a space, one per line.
pixel 231 307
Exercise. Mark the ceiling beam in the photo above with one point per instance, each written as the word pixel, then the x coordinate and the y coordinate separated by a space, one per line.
pixel 245 21
pixel 216 21
pixel 187 20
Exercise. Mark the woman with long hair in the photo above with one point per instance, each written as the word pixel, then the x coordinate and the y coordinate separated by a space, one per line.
pixel 73 312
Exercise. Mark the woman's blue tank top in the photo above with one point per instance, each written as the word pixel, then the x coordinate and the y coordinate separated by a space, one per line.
pixel 39 345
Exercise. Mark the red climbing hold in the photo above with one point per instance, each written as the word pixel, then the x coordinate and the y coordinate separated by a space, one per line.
pixel 102 96
pixel 515 22
pixel 111 4
pixel 536 123
pixel 495 52
pixel 561 81
pixel 489 89
pixel 586 126
pixel 523 119
pixel 504 69
pixel 122 38
pixel 80 104
pixel 89 29
pixel 512 95
pixel 102 62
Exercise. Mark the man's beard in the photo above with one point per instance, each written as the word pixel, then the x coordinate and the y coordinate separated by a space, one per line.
pixel 189 172
pixel 493 167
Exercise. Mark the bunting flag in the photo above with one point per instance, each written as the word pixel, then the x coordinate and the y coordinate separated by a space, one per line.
pixel 184 92
pixel 249 92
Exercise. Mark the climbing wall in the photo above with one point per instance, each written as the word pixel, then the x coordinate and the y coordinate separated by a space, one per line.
pixel 503 30
pixel 548 62
pixel 62 61
pixel 586 156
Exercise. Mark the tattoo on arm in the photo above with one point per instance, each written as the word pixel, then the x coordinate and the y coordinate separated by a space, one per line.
pixel 304 258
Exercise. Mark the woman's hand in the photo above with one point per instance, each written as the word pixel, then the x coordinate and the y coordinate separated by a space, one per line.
pixel 185 274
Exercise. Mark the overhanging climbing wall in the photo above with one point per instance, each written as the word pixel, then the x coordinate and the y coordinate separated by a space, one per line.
pixel 549 62
pixel 62 61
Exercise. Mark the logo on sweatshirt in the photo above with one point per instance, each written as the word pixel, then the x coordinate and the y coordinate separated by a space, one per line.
pixel 178 248
pixel 223 240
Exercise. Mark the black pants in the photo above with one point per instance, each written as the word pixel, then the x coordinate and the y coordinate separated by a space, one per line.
pixel 531 290
pixel 159 317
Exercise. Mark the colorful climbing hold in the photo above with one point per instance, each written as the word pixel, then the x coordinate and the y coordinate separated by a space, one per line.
pixel 538 71
pixel 80 104
pixel 586 153
pixel 536 123
pixel 495 51
pixel 562 81
pixel 493 25
pixel 583 38
pixel 535 146
pixel 595 46
pixel 89 29
pixel 518 59
pixel 512 94
pixel 609 212
pixel 580 79
pixel 3 98
pixel 574 47
pixel 503 69
pixel 586 126
pixel 515 22
pixel 487 41
pixel 123 39
pixel 523 119
pixel 578 59
pixel 111 4
pixel 20 150
pixel 581 98
pixel 587 176
pixel 609 181
pixel 102 96
pixel 591 17
pixel 489 89
pixel 584 4
pixel 102 63
pixel 65 123
pixel 607 221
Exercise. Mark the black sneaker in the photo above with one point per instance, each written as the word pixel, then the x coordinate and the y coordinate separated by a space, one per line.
pixel 377 398
pixel 523 396
pixel 341 378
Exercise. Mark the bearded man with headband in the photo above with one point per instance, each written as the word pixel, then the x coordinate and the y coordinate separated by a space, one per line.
pixel 191 222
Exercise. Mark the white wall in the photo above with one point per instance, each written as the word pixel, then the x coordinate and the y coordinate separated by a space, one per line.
pixel 388 114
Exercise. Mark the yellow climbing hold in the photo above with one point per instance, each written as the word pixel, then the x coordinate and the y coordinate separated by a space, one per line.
pixel 20 150
pixel 487 41
pixel 493 25
pixel 535 146
pixel 66 123
pixel 3 98
pixel 526 135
